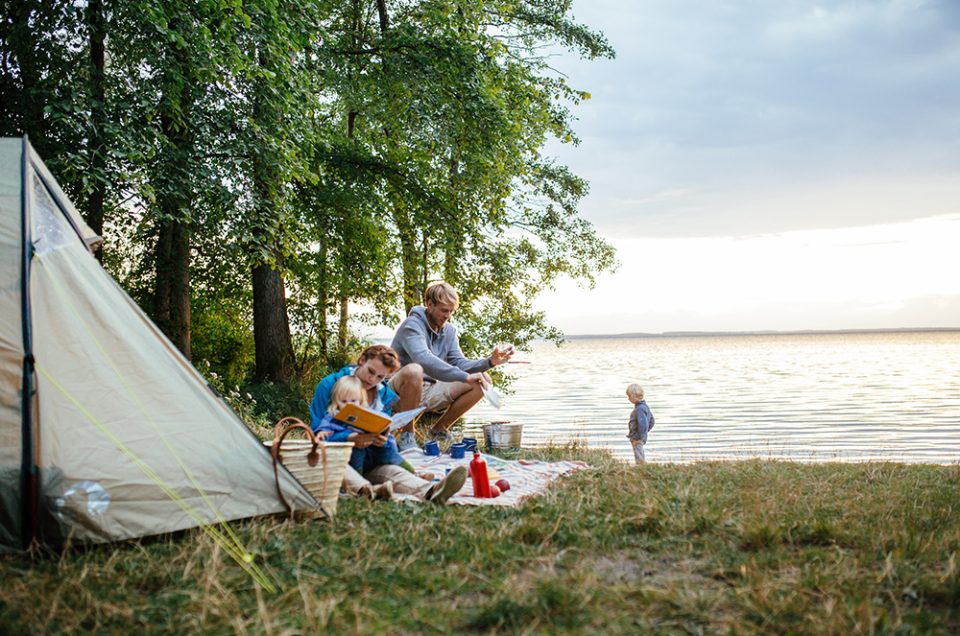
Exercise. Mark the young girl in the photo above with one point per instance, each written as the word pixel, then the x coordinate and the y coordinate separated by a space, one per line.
pixel 377 455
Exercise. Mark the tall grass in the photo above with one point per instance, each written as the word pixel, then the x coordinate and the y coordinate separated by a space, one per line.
pixel 744 547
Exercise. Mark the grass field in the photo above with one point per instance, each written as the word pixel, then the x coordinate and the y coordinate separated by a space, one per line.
pixel 745 547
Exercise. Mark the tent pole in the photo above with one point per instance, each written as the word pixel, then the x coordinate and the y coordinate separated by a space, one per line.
pixel 28 470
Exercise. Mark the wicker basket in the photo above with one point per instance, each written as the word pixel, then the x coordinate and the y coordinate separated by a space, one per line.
pixel 318 465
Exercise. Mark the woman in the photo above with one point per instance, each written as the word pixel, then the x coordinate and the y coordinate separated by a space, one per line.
pixel 372 368
pixel 374 365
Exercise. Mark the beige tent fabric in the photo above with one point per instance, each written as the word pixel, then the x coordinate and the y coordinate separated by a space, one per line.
pixel 11 340
pixel 131 440
pixel 118 393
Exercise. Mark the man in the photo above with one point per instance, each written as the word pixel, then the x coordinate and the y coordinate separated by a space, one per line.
pixel 451 382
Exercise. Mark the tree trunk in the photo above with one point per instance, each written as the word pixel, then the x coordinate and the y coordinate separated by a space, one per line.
pixel 409 258
pixel 384 16
pixel 271 326
pixel 97 139
pixel 27 103
pixel 271 332
pixel 171 300
pixel 453 240
pixel 425 261
pixel 344 315
pixel 322 300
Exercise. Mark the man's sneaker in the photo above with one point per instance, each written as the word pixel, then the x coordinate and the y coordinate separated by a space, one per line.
pixel 406 440
pixel 448 486
pixel 441 436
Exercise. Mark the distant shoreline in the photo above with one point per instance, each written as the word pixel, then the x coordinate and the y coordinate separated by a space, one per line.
pixel 803 332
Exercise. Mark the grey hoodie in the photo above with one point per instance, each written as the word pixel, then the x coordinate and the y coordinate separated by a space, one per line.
pixel 438 352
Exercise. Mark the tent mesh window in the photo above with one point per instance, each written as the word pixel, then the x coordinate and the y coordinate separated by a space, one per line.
pixel 50 230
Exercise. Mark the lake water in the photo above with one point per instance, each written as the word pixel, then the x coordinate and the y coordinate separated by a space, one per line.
pixel 818 397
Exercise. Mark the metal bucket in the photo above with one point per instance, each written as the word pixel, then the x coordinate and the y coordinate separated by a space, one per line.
pixel 502 435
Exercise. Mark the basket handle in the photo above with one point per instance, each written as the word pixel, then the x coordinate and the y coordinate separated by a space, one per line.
pixel 281 429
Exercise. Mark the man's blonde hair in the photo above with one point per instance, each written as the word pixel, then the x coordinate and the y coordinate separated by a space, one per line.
pixel 346 387
pixel 635 392
pixel 441 292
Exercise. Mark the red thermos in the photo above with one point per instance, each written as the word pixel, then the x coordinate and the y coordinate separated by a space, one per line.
pixel 478 472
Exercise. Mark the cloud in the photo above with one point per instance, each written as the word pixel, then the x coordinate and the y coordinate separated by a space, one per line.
pixel 726 117
pixel 877 276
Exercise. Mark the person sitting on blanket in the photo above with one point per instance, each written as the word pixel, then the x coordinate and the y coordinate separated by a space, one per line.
pixel 349 390
pixel 374 460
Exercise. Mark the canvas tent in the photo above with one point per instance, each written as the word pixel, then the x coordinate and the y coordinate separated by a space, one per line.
pixel 119 436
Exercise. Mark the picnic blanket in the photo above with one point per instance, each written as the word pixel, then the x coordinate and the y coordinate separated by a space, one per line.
pixel 526 477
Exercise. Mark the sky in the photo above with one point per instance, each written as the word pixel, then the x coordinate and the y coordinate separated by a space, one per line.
pixel 768 165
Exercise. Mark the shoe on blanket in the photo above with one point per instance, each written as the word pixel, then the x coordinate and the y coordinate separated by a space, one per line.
pixel 367 492
pixel 384 491
pixel 406 440
pixel 448 486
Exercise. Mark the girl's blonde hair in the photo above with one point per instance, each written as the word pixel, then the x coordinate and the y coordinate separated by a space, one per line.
pixel 635 392
pixel 345 388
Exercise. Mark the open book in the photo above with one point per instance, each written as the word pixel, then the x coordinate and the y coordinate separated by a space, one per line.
pixel 366 420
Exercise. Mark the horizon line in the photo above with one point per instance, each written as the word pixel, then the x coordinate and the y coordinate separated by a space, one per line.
pixel 761 332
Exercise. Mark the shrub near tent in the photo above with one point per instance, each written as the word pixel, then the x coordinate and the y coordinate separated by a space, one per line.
pixel 121 438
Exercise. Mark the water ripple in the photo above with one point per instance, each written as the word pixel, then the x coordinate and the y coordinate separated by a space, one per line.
pixel 847 397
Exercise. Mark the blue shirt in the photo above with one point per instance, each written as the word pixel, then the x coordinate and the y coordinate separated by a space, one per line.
pixel 361 459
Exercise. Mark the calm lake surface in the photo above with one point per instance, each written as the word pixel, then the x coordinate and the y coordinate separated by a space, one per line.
pixel 818 397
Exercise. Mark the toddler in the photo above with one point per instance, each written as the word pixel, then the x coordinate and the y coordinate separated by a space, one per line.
pixel 641 421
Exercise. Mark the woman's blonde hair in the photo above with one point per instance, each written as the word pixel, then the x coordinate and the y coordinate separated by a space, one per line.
pixel 441 292
pixel 346 387
pixel 635 392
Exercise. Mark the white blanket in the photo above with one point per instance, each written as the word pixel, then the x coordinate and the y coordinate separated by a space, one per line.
pixel 526 477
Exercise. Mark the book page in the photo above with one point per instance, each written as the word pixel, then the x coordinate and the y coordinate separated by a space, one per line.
pixel 401 419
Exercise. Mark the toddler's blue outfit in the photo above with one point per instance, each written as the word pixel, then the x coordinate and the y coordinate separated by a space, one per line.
pixel 641 423
pixel 361 459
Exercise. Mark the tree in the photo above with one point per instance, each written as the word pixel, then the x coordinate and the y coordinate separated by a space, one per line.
pixel 458 96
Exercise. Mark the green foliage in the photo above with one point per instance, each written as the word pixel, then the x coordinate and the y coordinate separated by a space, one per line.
pixel 360 148
pixel 223 342
pixel 255 415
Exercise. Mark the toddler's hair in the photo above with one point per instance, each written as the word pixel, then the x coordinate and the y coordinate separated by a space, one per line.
pixel 635 392
pixel 345 388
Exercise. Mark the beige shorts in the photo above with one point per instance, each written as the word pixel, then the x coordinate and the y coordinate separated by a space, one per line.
pixel 437 396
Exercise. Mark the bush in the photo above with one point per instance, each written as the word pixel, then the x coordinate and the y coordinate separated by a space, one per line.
pixel 223 342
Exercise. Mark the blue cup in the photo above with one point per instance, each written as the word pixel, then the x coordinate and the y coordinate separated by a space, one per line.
pixel 470 444
pixel 431 448
pixel 458 450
